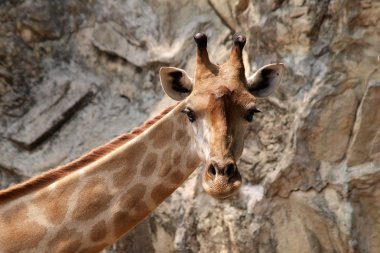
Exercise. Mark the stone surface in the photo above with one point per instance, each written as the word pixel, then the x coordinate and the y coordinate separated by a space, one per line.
pixel 10 176
pixel 329 126
pixel 57 102
pixel 311 165
pixel 365 142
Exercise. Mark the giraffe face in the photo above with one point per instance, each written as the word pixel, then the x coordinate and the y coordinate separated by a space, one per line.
pixel 219 119
pixel 220 104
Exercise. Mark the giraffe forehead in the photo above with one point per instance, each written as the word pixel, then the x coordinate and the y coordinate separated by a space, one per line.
pixel 230 81
pixel 221 97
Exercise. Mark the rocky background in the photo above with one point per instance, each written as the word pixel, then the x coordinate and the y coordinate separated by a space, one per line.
pixel 74 74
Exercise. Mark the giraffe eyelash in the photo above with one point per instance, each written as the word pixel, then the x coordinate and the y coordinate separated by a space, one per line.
pixel 190 114
pixel 250 113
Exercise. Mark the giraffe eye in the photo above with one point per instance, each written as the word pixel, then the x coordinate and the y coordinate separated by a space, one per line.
pixel 190 114
pixel 250 113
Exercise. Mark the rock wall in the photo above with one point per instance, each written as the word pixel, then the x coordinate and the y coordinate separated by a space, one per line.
pixel 74 74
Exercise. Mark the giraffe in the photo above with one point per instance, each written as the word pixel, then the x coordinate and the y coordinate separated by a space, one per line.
pixel 88 204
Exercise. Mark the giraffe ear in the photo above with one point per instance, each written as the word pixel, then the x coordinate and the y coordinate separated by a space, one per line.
pixel 176 83
pixel 265 80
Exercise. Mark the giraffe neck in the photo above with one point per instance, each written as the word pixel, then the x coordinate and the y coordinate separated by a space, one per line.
pixel 92 207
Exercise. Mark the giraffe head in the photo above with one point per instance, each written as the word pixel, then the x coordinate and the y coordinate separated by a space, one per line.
pixel 220 103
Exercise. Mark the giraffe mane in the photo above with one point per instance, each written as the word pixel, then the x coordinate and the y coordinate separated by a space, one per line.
pixel 53 175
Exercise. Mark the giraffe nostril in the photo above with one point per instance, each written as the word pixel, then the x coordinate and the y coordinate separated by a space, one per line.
pixel 230 170
pixel 212 170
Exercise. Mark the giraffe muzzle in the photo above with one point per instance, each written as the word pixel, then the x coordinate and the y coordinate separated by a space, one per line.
pixel 221 179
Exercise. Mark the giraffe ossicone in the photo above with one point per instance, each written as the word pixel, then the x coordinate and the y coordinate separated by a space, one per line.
pixel 88 204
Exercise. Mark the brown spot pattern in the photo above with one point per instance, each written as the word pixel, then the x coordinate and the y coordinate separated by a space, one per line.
pixel 135 152
pixel 166 164
pixel 17 233
pixel 160 192
pixel 54 203
pixel 163 135
pixel 141 210
pixel 124 221
pixel 98 231
pixel 177 177
pixel 121 222
pixel 149 165
pixel 192 162
pixel 113 164
pixel 65 241
pixel 133 196
pixel 130 164
pixel 93 199
pixel 177 159
pixel 181 137
pixel 164 170
pixel 124 176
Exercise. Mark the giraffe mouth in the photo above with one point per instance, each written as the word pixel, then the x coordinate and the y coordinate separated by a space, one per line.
pixel 221 186
pixel 222 196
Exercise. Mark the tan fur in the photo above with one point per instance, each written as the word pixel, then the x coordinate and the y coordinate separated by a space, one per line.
pixel 27 236
pixel 159 192
pixel 56 211
pixel 98 231
pixel 181 137
pixel 149 165
pixel 66 241
pixel 133 196
pixel 165 169
pixel 124 177
pixel 124 221
pixel 163 138
pixel 176 176
pixel 92 209
pixel 93 199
